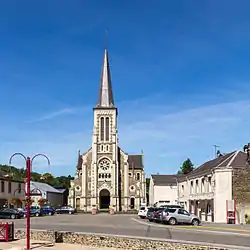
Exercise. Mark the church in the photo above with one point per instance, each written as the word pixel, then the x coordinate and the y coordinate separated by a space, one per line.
pixel 105 174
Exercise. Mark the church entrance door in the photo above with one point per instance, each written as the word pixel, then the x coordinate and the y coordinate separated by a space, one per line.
pixel 104 199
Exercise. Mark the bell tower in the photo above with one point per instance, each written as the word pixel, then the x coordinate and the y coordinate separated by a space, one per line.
pixel 104 169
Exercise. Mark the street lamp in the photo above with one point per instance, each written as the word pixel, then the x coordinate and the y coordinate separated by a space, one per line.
pixel 28 162
pixel 246 149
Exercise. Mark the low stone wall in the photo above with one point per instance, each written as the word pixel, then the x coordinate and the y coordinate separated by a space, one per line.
pixel 121 242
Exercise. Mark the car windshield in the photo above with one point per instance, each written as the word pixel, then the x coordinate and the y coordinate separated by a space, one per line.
pixel 151 209
pixel 170 210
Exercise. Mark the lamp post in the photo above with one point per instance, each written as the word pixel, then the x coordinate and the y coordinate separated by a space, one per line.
pixel 246 149
pixel 28 162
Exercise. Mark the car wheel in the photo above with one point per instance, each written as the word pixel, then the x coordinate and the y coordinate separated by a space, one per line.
pixel 50 213
pixel 195 222
pixel 172 221
pixel 70 212
pixel 12 217
pixel 37 214
pixel 142 217
pixel 150 220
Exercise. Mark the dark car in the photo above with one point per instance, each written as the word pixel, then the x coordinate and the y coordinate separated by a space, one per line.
pixel 10 213
pixel 34 211
pixel 171 206
pixel 48 210
pixel 157 214
pixel 65 210
pixel 150 213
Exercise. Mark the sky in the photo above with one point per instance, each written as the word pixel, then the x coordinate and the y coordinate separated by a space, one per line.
pixel 180 76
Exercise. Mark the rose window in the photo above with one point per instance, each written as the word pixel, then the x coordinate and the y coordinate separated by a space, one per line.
pixel 104 165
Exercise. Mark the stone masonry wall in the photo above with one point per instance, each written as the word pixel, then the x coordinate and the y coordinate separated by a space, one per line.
pixel 124 243
pixel 241 185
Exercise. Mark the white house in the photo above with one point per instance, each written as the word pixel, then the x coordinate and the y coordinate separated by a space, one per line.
pixel 209 191
pixel 40 190
pixel 163 189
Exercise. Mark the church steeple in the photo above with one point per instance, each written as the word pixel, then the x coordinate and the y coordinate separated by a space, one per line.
pixel 105 98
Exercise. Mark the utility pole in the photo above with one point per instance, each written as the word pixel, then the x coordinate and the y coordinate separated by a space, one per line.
pixel 215 150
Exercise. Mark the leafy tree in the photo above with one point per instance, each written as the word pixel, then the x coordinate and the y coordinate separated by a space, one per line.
pixel 20 174
pixel 186 167
pixel 147 185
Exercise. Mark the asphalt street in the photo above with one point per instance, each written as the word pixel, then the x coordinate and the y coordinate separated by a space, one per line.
pixel 131 225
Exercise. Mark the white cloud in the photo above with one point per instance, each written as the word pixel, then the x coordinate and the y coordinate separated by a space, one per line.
pixel 167 136
pixel 54 114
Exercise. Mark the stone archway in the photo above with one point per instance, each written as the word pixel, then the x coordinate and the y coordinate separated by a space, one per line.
pixel 104 197
pixel 78 201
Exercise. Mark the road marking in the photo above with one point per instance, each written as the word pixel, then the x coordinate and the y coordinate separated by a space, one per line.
pixel 219 228
pixel 194 229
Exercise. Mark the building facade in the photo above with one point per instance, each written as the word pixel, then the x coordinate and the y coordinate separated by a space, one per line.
pixel 106 175
pixel 9 190
pixel 163 189
pixel 52 196
pixel 208 190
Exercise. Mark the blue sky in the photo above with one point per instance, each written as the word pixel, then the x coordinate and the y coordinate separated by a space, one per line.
pixel 180 73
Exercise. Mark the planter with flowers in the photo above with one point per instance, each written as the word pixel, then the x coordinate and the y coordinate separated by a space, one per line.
pixel 28 201
pixel 111 210
pixel 42 201
pixel 94 209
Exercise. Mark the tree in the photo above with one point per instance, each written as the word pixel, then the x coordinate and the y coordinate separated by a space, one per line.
pixel 186 167
pixel 147 185
pixel 42 201
pixel 19 174
pixel 15 201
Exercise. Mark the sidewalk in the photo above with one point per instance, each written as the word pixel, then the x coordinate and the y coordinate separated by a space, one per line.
pixel 43 245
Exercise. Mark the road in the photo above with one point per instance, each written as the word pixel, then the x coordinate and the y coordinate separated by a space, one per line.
pixel 130 225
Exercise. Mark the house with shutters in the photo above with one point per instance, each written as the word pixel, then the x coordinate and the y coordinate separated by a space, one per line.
pixel 210 190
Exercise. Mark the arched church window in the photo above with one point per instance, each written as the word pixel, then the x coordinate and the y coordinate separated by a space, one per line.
pixel 138 176
pixel 107 128
pixel 100 176
pixel 102 129
pixel 109 175
pixel 103 176
pixel 106 175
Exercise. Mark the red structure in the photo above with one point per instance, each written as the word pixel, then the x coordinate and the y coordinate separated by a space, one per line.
pixel 27 191
pixel 231 211
pixel 7 231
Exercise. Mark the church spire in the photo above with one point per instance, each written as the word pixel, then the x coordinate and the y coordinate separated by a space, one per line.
pixel 105 98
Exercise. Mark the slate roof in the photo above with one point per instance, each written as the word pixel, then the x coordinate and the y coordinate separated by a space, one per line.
pixel 135 161
pixel 79 161
pixel 163 180
pixel 235 159
pixel 43 187
pixel 105 97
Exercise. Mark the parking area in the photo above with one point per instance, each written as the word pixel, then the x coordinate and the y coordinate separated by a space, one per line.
pixel 132 225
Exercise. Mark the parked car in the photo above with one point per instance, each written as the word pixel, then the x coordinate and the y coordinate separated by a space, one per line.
pixel 150 212
pixel 48 210
pixel 10 213
pixel 175 216
pixel 157 214
pixel 171 206
pixel 65 210
pixel 143 212
pixel 34 211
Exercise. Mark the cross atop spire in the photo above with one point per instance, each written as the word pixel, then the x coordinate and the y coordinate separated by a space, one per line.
pixel 105 98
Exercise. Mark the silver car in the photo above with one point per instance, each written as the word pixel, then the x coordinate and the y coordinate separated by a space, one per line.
pixel 175 216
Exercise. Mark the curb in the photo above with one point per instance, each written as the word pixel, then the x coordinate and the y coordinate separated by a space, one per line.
pixel 195 243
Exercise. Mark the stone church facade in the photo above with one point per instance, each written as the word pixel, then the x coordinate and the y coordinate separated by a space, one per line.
pixel 106 175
